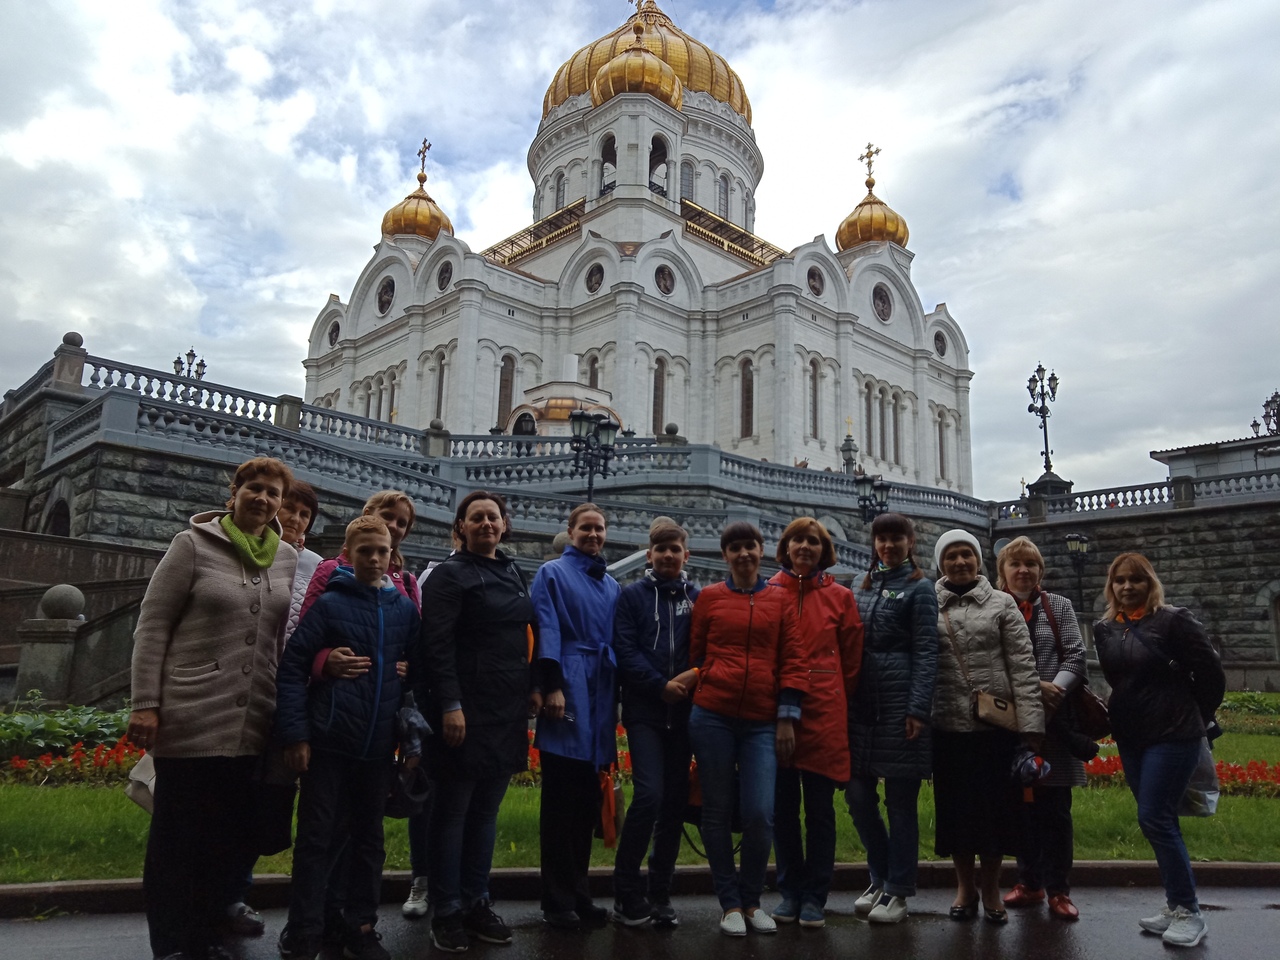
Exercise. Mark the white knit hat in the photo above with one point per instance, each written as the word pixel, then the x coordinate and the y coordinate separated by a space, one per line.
pixel 950 538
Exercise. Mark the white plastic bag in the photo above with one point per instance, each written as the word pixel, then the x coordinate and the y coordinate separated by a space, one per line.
pixel 142 783
pixel 1201 798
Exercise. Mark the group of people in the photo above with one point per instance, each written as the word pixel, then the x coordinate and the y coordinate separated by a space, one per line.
pixel 754 700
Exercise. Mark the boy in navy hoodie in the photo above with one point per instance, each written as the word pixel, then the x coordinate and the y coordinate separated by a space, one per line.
pixel 341 736
pixel 651 639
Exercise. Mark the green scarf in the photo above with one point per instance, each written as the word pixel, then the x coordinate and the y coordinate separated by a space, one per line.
pixel 259 552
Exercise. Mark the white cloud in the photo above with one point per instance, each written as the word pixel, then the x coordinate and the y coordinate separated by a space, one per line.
pixel 1087 184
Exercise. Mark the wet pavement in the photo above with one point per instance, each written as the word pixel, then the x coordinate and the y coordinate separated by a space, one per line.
pixel 1244 924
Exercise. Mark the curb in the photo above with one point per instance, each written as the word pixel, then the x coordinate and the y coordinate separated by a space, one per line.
pixel 522 883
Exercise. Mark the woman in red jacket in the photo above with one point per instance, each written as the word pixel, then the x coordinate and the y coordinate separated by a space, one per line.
pixel 746 649
pixel 831 632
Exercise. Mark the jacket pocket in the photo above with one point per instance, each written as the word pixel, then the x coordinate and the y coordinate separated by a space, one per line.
pixel 191 672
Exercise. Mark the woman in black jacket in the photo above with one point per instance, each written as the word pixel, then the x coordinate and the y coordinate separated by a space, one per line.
pixel 1166 682
pixel 477 644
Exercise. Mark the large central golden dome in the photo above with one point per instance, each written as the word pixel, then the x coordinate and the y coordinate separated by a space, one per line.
pixel 697 66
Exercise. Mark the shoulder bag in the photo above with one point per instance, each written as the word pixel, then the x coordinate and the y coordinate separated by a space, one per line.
pixel 1091 716
pixel 984 705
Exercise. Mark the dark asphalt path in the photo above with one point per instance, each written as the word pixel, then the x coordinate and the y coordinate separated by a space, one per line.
pixel 1244 924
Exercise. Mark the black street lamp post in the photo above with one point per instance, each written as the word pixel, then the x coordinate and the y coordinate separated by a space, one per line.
pixel 1042 394
pixel 191 370
pixel 873 494
pixel 1078 554
pixel 594 435
pixel 1270 417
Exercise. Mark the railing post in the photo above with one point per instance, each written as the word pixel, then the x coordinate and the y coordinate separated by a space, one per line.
pixel 68 363
pixel 1184 491
pixel 435 440
pixel 288 412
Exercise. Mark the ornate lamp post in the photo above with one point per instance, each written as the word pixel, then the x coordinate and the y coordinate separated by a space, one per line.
pixel 873 494
pixel 190 369
pixel 1270 416
pixel 1042 394
pixel 1078 554
pixel 594 435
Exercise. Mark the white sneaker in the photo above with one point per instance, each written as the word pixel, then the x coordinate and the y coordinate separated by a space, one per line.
pixel 889 910
pixel 416 905
pixel 761 922
pixel 1186 929
pixel 734 924
pixel 1158 923
pixel 870 897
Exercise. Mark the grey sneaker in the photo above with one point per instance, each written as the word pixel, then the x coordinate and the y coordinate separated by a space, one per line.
pixel 870 897
pixel 889 910
pixel 1158 923
pixel 1186 929
pixel 416 905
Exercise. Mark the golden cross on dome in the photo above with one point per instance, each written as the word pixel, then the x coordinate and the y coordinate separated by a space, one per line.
pixel 869 157
pixel 848 422
pixel 426 145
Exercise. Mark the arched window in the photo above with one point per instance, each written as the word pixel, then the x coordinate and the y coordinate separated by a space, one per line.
pixel 525 426
pixel 368 399
pixel 560 189
pixel 58 523
pixel 722 196
pixel 658 167
pixel 506 383
pixel 881 423
pixel 608 165
pixel 439 414
pixel 868 419
pixel 659 396
pixel 593 373
pixel 686 181
pixel 391 401
pixel 813 398
pixel 897 429
pixel 747 390
pixel 942 445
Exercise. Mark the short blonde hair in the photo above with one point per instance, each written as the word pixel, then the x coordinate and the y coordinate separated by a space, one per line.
pixel 362 525
pixel 1019 548
pixel 261 467
pixel 1142 566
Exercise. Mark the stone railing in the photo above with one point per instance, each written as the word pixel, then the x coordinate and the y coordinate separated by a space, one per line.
pixel 507 447
pixel 13 398
pixel 167 387
pixel 1257 483
pixel 333 424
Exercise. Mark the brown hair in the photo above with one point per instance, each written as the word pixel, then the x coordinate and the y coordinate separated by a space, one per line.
pixel 666 530
pixel 740 531
pixel 261 467
pixel 303 493
pixel 893 525
pixel 461 513
pixel 582 508
pixel 364 524
pixel 1142 566
pixel 802 525
pixel 392 498
pixel 1019 548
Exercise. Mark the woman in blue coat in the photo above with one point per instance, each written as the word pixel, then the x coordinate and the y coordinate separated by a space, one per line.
pixel 574 600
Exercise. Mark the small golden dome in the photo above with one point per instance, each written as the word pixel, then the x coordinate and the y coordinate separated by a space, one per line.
pixel 636 70
pixel 696 65
pixel 416 214
pixel 872 219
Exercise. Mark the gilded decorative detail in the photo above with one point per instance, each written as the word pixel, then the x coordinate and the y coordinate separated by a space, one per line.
pixel 695 65
pixel 871 220
pixel 636 70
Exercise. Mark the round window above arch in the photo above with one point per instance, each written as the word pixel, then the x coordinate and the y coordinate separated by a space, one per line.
pixel 882 302
pixel 665 278
pixel 940 343
pixel 595 277
pixel 817 282
pixel 335 332
pixel 386 295
pixel 445 274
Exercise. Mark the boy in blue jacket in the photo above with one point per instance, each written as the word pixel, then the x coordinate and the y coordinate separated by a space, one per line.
pixel 341 736
pixel 651 638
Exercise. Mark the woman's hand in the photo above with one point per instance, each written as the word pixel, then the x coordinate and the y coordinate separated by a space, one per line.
pixel 143 727
pixel 455 728
pixel 1052 695
pixel 343 664
pixel 402 669
pixel 784 741
pixel 553 705
pixel 535 703
pixel 915 727
pixel 297 756
pixel 674 692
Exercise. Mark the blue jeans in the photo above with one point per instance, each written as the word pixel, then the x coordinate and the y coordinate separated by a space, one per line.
pixel 460 838
pixel 1158 776
pixel 721 745
pixel 805 878
pixel 660 792
pixel 893 854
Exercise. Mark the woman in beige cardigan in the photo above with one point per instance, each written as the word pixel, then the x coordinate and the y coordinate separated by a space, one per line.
pixel 204 690
pixel 983 645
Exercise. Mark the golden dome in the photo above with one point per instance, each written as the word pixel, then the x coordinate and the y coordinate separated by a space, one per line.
pixel 872 219
pixel 636 70
pixel 417 214
pixel 696 65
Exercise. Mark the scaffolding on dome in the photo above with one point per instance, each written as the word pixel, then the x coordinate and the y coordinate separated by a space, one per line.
pixel 564 223
pixel 706 226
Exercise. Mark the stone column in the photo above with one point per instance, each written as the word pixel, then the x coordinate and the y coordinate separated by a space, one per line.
pixel 783 300
pixel 461 402
pixel 68 363
pixel 47 646
pixel 628 397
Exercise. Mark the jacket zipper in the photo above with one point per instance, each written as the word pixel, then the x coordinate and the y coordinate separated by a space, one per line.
pixel 671 651
pixel 377 690
pixel 746 674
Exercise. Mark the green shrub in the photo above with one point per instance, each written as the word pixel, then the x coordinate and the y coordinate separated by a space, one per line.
pixel 31 729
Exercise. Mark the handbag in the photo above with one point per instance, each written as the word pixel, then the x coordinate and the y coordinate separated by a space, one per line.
pixel 984 705
pixel 1201 796
pixel 1089 711
pixel 141 785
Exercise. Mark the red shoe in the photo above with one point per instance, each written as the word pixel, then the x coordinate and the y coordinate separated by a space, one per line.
pixel 1023 896
pixel 1060 906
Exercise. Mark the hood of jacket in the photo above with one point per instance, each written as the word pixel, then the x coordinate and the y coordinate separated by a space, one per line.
pixel 594 567
pixel 981 592
pixel 343 579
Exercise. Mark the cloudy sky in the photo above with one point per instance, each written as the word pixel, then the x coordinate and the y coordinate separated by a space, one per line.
pixel 1089 184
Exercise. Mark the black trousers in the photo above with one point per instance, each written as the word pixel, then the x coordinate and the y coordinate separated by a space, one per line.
pixel 340 796
pixel 1047 849
pixel 197 846
pixel 567 819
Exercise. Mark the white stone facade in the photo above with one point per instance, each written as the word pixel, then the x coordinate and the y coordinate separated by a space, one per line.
pixel 677 311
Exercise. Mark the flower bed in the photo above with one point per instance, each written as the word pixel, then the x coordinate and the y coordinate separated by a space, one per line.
pixel 104 765
pixel 1256 778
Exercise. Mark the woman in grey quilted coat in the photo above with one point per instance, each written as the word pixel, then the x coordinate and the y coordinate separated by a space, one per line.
pixel 889 715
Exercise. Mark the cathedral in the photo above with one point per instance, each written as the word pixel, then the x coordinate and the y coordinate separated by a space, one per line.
pixel 640 289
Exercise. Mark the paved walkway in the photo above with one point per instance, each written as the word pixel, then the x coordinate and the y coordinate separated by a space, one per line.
pixel 1244 924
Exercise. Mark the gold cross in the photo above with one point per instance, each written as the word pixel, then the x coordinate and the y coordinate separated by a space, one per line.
pixel 426 145
pixel 848 422
pixel 869 157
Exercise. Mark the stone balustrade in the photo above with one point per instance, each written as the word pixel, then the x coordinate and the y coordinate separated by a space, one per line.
pixel 168 387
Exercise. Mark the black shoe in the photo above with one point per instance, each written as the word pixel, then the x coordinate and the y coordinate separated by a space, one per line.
pixel 968 911
pixel 364 945
pixel 335 929
pixel 591 915
pixel 483 924
pixel 663 913
pixel 995 916
pixel 448 934
pixel 297 946
pixel 562 919
pixel 244 921
pixel 632 911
